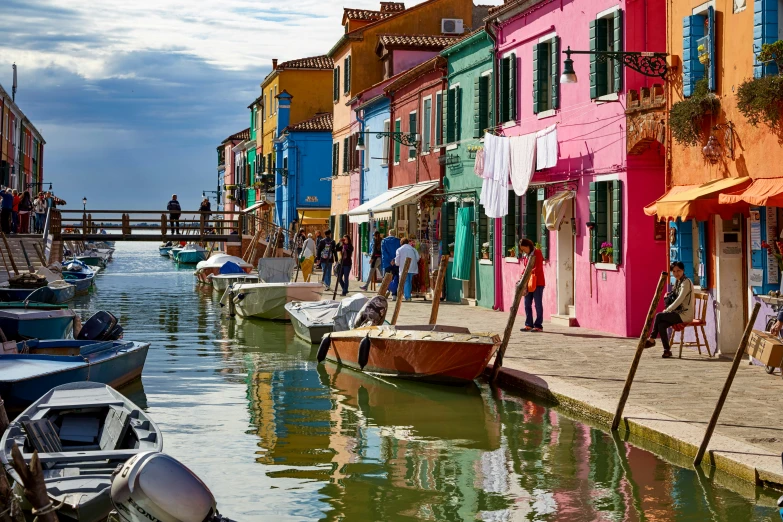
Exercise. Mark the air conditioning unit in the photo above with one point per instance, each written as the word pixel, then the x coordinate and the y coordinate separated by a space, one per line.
pixel 452 26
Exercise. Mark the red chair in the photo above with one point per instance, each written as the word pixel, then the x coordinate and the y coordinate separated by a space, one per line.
pixel 699 320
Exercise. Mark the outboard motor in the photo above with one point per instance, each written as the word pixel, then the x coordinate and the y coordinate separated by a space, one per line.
pixel 102 326
pixel 156 486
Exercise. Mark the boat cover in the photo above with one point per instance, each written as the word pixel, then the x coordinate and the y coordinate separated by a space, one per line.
pixel 229 267
pixel 319 312
pixel 218 260
pixel 275 269
pixel 347 311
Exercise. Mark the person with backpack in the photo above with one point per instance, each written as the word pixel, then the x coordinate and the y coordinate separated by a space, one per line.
pixel 326 254
pixel 679 309
pixel 174 212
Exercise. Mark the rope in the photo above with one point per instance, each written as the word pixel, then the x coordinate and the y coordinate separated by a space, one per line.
pixel 48 508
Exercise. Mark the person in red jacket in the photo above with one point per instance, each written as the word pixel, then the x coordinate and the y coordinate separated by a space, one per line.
pixel 527 247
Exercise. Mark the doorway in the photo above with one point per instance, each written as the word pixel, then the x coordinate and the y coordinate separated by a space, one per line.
pixel 565 262
pixel 730 288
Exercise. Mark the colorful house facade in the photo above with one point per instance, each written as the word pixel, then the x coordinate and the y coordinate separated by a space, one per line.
pixel 589 177
pixel 226 166
pixel 21 148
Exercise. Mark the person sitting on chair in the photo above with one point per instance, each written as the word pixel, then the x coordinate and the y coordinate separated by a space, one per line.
pixel 679 309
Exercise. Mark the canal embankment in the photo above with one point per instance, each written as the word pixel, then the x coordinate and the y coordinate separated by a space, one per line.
pixel 583 371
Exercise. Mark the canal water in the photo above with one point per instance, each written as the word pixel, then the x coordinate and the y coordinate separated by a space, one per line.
pixel 277 437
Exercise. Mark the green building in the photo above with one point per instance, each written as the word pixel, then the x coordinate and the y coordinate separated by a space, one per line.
pixel 466 114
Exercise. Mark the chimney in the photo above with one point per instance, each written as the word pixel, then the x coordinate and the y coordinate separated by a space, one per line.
pixel 274 64
pixel 283 111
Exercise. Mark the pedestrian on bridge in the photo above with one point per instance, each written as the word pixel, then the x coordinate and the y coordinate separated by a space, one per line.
pixel 15 212
pixel 206 206
pixel 25 208
pixel 174 212
pixel 39 207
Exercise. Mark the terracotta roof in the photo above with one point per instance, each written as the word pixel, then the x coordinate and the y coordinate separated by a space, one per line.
pixel 313 62
pixel 418 41
pixel 241 135
pixel 412 74
pixel 320 122
pixel 365 14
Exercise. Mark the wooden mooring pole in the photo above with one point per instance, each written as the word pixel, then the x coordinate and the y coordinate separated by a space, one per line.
pixel 400 291
pixel 618 414
pixel 727 385
pixel 444 263
pixel 519 291
pixel 387 279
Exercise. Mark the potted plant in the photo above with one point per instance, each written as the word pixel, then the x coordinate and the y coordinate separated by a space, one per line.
pixel 230 197
pixel 485 251
pixel 451 249
pixel 607 251
pixel 512 252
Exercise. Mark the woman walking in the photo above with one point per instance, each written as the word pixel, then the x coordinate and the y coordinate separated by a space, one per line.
pixel 15 212
pixel 535 287
pixel 39 208
pixel 25 208
pixel 346 262
pixel 679 309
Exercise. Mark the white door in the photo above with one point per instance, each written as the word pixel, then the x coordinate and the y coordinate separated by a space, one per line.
pixel 565 261
pixel 730 293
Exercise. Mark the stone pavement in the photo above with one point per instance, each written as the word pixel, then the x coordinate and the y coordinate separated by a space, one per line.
pixel 671 400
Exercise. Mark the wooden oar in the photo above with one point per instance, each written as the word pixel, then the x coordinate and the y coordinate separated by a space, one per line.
pixel 10 256
pixel 30 266
pixel 444 263
pixel 400 291
pixel 520 290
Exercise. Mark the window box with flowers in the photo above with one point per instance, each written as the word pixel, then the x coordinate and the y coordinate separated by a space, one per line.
pixel 607 252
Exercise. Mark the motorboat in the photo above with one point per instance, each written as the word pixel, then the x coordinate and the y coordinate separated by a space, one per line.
pixel 191 254
pixel 222 281
pixel 94 257
pixel 174 251
pixel 20 321
pixel 80 275
pixel 221 264
pixel 82 431
pixel 36 366
pixel 434 353
pixel 313 320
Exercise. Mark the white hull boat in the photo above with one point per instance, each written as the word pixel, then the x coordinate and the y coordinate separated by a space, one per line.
pixel 221 282
pixel 268 300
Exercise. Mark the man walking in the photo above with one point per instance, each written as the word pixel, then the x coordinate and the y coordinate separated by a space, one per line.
pixel 389 247
pixel 406 251
pixel 326 254
pixel 174 212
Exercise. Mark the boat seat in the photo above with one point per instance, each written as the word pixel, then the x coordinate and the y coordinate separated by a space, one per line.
pixel 42 436
pixel 114 429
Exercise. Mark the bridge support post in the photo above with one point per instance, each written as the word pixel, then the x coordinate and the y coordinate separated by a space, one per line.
pixel 163 225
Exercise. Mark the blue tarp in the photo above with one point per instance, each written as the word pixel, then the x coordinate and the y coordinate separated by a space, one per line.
pixel 229 267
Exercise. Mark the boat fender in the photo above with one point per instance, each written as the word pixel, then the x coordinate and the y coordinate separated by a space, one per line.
pixel 323 348
pixel 364 352
pixel 240 297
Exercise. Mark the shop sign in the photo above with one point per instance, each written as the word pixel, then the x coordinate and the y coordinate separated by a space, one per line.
pixel 771 233
pixel 311 199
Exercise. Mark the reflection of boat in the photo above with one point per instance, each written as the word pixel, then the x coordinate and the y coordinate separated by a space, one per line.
pixel 82 431
pixel 215 265
pixel 24 377
pixel 191 254
pixel 20 321
pixel 268 300
pixel 431 411
pixel 429 352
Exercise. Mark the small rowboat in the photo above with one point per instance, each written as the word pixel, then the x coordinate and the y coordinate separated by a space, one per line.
pixel 447 354
pixel 190 255
pixel 82 431
pixel 20 321
pixel 164 250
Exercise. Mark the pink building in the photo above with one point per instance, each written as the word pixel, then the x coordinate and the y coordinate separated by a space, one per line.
pixel 227 166
pixel 608 164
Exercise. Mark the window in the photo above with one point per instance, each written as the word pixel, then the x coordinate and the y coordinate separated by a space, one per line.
pixel 346 155
pixel 263 107
pixel 451 112
pixel 448 221
pixel 482 104
pixel 336 84
pixel 485 227
pixel 385 141
pixel 508 88
pixel 546 74
pixel 767 28
pixel 335 159
pixel 689 245
pixel 438 118
pixel 284 174
pixel 347 73
pixel 606 34
pixel 277 102
pixel 426 125
pixel 532 224
pixel 511 224
pixel 397 128
pixel 606 212
pixel 412 128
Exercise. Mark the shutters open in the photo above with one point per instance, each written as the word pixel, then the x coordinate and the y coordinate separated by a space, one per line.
pixel 617 45
pixel 692 69
pixel 598 69
pixel 617 221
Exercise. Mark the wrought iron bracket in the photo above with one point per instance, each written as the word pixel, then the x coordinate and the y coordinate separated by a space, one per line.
pixel 646 63
pixel 403 138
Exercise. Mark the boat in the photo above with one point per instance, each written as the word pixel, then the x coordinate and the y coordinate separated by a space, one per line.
pixel 268 300
pixel 164 250
pixel 433 353
pixel 39 366
pixel 191 254
pixel 56 292
pixel 92 259
pixel 174 251
pixel 21 321
pixel 81 276
pixel 313 320
pixel 222 281
pixel 221 264
pixel 82 432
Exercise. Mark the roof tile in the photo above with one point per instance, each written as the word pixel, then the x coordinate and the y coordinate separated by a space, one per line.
pixel 320 122
pixel 365 14
pixel 313 62
pixel 398 41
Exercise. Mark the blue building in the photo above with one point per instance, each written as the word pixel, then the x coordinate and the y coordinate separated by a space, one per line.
pixel 303 153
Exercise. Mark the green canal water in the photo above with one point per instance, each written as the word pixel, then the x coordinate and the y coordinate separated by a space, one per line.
pixel 277 437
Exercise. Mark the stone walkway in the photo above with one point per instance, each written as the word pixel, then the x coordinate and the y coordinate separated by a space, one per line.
pixel 671 400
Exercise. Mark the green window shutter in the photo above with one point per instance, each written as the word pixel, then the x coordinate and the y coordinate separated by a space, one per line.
pixel 536 81
pixel 343 224
pixel 490 96
pixel 364 237
pixel 531 219
pixel 458 114
pixel 450 111
pixel 345 154
pixel 617 221
pixel 332 223
pixel 617 25
pixel 592 218
pixel 504 85
pixel 543 95
pixel 336 84
pixel 512 88
pixel 444 115
pixel 412 127
pixel 554 48
pixel 397 129
pixel 510 223
pixel 477 107
pixel 598 215
pixel 345 75
pixel 335 159
pixel 598 70
pixel 544 240
pixel 484 109
pixel 350 71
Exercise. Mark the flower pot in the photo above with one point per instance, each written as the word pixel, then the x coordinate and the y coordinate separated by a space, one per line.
pixel 485 256
pixel 605 258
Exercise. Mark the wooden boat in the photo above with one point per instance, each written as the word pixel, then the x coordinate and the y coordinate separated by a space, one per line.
pixel 21 321
pixel 432 353
pixel 190 255
pixel 56 292
pixel 215 266
pixel 222 281
pixel 82 431
pixel 268 300
pixel 24 377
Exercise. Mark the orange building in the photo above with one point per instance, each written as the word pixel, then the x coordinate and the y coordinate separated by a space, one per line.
pixel 357 67
pixel 724 193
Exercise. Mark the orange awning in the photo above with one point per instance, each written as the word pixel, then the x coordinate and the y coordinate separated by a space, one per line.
pixel 652 208
pixel 699 202
pixel 762 193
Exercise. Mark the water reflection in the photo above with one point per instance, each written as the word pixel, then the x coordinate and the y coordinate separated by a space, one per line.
pixel 276 436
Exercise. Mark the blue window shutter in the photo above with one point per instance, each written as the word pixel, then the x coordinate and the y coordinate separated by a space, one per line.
pixel 765 31
pixel 713 57
pixel 702 257
pixel 685 243
pixel 692 69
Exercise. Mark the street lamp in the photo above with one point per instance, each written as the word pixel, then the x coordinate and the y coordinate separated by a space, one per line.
pixel 84 202
pixel 646 63
pixel 408 139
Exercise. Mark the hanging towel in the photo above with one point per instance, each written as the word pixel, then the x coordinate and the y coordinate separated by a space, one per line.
pixel 489 155
pixel 478 168
pixel 523 160
pixel 546 148
pixel 497 170
pixel 463 245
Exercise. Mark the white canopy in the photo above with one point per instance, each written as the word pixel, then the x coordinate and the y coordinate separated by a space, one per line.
pixel 361 213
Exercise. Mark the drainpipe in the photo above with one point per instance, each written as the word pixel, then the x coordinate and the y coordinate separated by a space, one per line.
pixel 498 266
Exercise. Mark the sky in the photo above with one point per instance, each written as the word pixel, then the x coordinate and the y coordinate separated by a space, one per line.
pixel 133 98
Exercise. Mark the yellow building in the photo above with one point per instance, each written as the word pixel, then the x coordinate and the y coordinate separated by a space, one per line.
pixel 309 82
pixel 358 67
